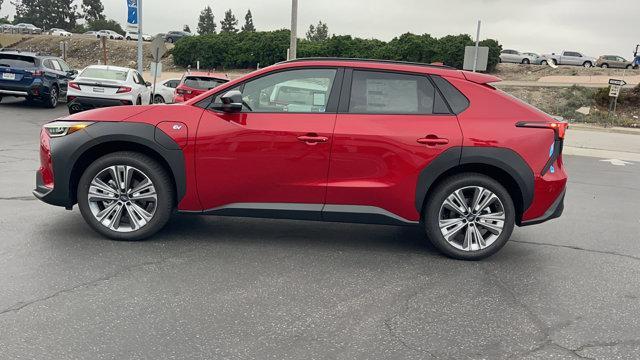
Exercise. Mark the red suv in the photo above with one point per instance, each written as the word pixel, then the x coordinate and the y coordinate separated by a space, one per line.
pixel 340 140
pixel 197 83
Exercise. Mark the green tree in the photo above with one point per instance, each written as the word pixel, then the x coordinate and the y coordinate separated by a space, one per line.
pixel 206 22
pixel 105 24
pixel 248 22
pixel 186 28
pixel 47 14
pixel 319 32
pixel 92 10
pixel 229 23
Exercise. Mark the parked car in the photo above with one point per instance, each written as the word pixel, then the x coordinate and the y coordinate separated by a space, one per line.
pixel 134 36
pixel 514 56
pixel 613 61
pixel 101 86
pixel 34 77
pixel 165 91
pixel 370 141
pixel 8 28
pixel 24 28
pixel 91 33
pixel 568 58
pixel 173 36
pixel 59 32
pixel 109 34
pixel 196 83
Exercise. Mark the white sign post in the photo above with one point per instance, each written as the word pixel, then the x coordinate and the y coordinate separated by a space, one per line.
pixel 158 49
pixel 614 92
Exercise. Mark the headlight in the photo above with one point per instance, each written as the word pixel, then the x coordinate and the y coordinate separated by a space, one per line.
pixel 62 128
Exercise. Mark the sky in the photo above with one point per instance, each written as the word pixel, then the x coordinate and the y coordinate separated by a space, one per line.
pixel 594 27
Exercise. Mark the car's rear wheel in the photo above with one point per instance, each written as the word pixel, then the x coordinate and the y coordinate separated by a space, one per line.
pixel 125 196
pixel 587 64
pixel 158 99
pixel 544 62
pixel 604 66
pixel 51 101
pixel 469 216
pixel 525 61
pixel 139 101
pixel 629 66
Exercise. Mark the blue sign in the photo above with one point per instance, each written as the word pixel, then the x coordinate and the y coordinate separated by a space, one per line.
pixel 132 12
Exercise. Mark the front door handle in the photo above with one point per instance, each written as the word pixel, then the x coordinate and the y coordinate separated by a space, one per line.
pixel 313 139
pixel 432 140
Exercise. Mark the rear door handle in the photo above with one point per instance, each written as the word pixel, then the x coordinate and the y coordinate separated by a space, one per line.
pixel 313 139
pixel 432 140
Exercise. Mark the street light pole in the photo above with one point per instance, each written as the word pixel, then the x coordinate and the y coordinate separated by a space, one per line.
pixel 140 65
pixel 294 30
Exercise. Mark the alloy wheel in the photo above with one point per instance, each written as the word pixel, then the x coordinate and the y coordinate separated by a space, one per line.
pixel 53 93
pixel 122 198
pixel 471 218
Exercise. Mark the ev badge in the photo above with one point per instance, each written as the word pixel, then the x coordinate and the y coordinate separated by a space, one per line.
pixel 177 127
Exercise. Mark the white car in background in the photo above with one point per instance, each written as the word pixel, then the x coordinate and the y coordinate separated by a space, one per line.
pixel 134 36
pixel 165 91
pixel 102 86
pixel 109 34
pixel 59 32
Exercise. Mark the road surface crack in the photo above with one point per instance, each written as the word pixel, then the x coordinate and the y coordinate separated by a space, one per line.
pixel 572 247
pixel 23 304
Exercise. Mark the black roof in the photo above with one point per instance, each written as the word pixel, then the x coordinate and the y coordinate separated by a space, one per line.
pixel 369 60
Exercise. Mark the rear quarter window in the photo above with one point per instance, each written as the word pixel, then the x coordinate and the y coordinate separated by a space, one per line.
pixel 457 101
pixel 202 83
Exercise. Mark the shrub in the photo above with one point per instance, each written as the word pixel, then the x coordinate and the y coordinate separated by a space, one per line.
pixel 247 49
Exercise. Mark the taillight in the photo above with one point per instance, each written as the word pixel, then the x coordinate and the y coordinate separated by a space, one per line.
pixel 559 127
pixel 38 73
pixel 46 166
pixel 183 91
pixel 74 85
pixel 123 89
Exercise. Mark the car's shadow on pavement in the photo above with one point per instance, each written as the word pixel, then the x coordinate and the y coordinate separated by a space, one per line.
pixel 213 229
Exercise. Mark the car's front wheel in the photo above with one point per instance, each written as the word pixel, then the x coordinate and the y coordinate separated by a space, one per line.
pixel 125 196
pixel 469 216
pixel 158 99
pixel 587 64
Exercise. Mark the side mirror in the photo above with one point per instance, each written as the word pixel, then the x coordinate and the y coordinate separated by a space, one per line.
pixel 231 102
pixel 147 83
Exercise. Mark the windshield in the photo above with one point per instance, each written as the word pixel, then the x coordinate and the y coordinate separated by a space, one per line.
pixel 17 61
pixel 202 83
pixel 107 74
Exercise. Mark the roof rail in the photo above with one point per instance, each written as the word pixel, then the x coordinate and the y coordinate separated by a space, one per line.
pixel 369 60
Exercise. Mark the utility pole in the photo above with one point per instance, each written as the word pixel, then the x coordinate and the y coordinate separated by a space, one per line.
pixel 140 65
pixel 475 57
pixel 294 30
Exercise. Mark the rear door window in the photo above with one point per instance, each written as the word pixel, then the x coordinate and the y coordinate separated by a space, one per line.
pixel 375 92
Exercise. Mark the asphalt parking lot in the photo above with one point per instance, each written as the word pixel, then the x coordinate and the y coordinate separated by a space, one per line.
pixel 242 288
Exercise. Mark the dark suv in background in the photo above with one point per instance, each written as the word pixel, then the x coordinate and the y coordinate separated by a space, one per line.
pixel 34 77
pixel 173 36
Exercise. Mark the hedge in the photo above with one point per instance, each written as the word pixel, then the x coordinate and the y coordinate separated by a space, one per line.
pixel 248 49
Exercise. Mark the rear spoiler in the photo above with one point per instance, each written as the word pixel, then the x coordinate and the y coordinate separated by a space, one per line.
pixel 479 78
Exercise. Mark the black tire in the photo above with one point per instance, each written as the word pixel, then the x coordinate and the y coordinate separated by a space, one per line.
pixel 554 61
pixel 151 168
pixel 128 38
pixel 445 188
pixel 139 101
pixel 587 64
pixel 544 62
pixel 604 66
pixel 51 101
pixel 629 66
pixel 158 99
pixel 526 61
pixel 0 99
